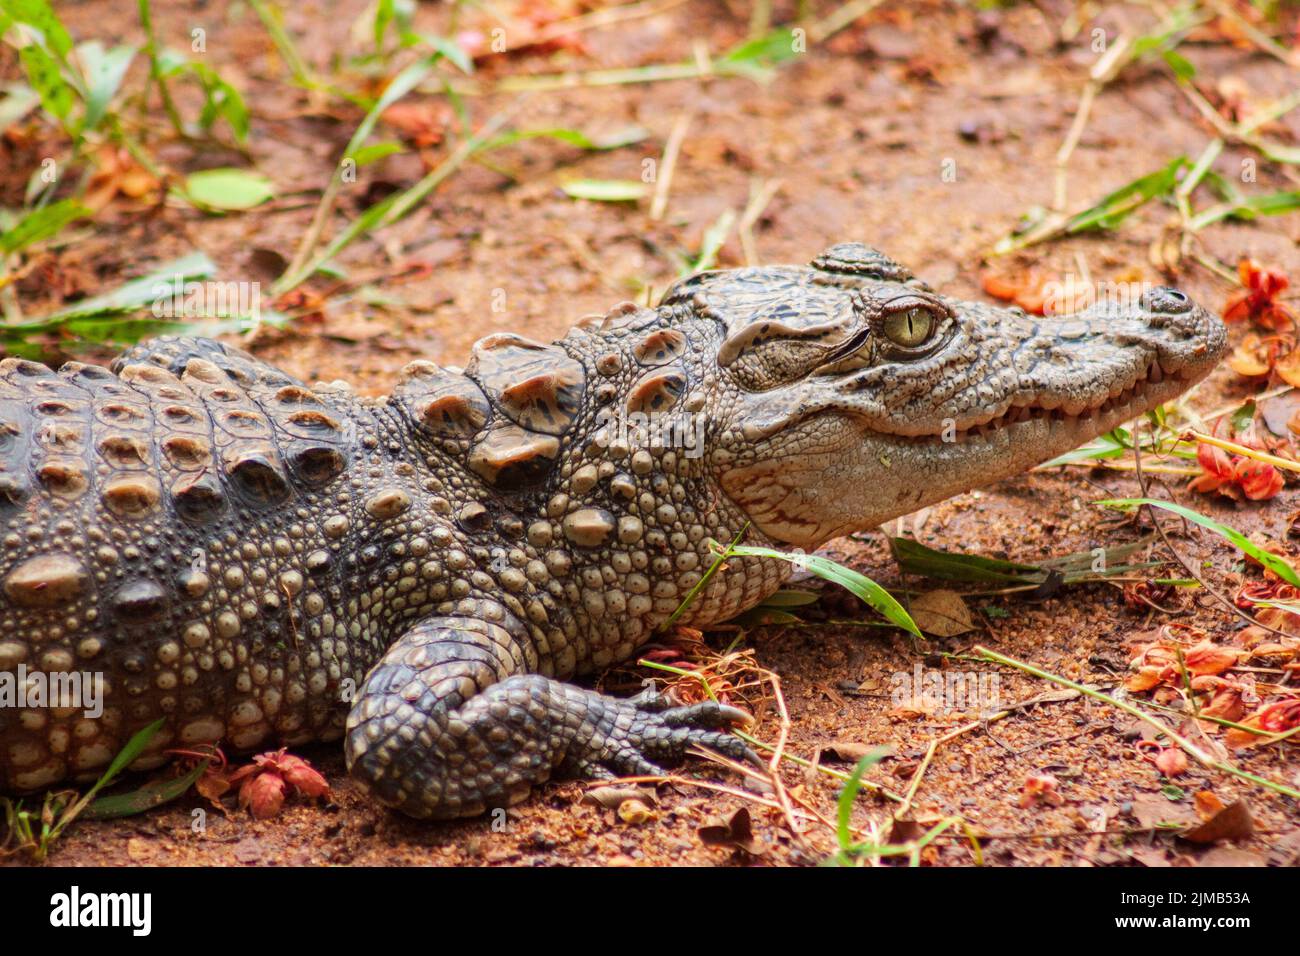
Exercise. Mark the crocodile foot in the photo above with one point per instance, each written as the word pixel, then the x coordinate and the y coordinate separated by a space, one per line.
pixel 446 726
pixel 629 737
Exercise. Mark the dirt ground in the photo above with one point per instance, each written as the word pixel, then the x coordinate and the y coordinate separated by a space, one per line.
pixel 857 131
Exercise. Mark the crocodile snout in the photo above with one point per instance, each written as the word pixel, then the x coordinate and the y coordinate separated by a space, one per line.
pixel 1188 336
pixel 1167 301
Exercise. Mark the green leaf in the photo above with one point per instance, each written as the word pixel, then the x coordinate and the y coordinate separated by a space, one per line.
pixel 757 58
pixel 153 794
pixel 791 598
pixel 221 101
pixel 228 189
pixel 400 12
pixel 449 50
pixel 1279 152
pixel 1182 67
pixel 1113 444
pixel 712 242
pixel 613 140
pixel 1271 561
pixel 1169 32
pixel 127 755
pixel 136 294
pixel 103 72
pixel 1243 417
pixel 859 584
pixel 39 14
pixel 1248 207
pixel 41 224
pixel 46 78
pixel 852 786
pixel 606 190
pixel 915 558
pixel 1119 205
pixel 172 63
pixel 403 83
pixel 376 151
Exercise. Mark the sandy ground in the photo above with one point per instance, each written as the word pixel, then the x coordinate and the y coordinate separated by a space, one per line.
pixel 857 131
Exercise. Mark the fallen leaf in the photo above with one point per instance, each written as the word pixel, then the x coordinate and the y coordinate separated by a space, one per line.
pixel 1151 856
pixel 1233 822
pixel 421 123
pixel 1207 803
pixel 1146 678
pixel 1209 658
pixel 905 830
pixel 212 786
pixel 845 751
pixel 1253 356
pixel 941 613
pixel 1153 811
pixel 734 831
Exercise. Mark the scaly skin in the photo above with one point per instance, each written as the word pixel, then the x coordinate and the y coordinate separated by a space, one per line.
pixel 255 561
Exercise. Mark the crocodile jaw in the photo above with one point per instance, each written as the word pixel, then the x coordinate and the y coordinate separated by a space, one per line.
pixel 840 457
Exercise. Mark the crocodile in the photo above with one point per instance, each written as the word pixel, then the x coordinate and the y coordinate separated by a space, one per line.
pixel 250 559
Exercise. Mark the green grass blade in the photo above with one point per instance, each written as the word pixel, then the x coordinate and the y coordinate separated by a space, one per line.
pixel 849 793
pixel 859 584
pixel 104 72
pixel 152 794
pixel 138 293
pixel 704 579
pixel 626 136
pixel 915 558
pixel 791 598
pixel 1271 561
pixel 606 190
pixel 127 755
pixel 41 224
pixel 1116 207
pixel 403 83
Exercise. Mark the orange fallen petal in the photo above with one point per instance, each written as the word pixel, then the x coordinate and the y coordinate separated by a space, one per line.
pixel 1209 658
pixel 1258 479
pixel 1171 762
pixel 263 794
pixel 303 777
pixel 1144 679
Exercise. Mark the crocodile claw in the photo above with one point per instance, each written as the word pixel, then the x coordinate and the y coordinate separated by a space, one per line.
pixel 640 732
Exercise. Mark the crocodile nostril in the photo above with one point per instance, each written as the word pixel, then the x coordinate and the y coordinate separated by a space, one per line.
pixel 1166 300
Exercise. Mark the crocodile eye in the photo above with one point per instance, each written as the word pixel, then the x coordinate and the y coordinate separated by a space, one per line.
pixel 909 329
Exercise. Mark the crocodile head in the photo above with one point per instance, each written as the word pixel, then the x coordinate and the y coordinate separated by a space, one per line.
pixel 848 393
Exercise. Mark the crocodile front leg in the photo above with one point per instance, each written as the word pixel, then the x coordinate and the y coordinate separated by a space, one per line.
pixel 449 724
